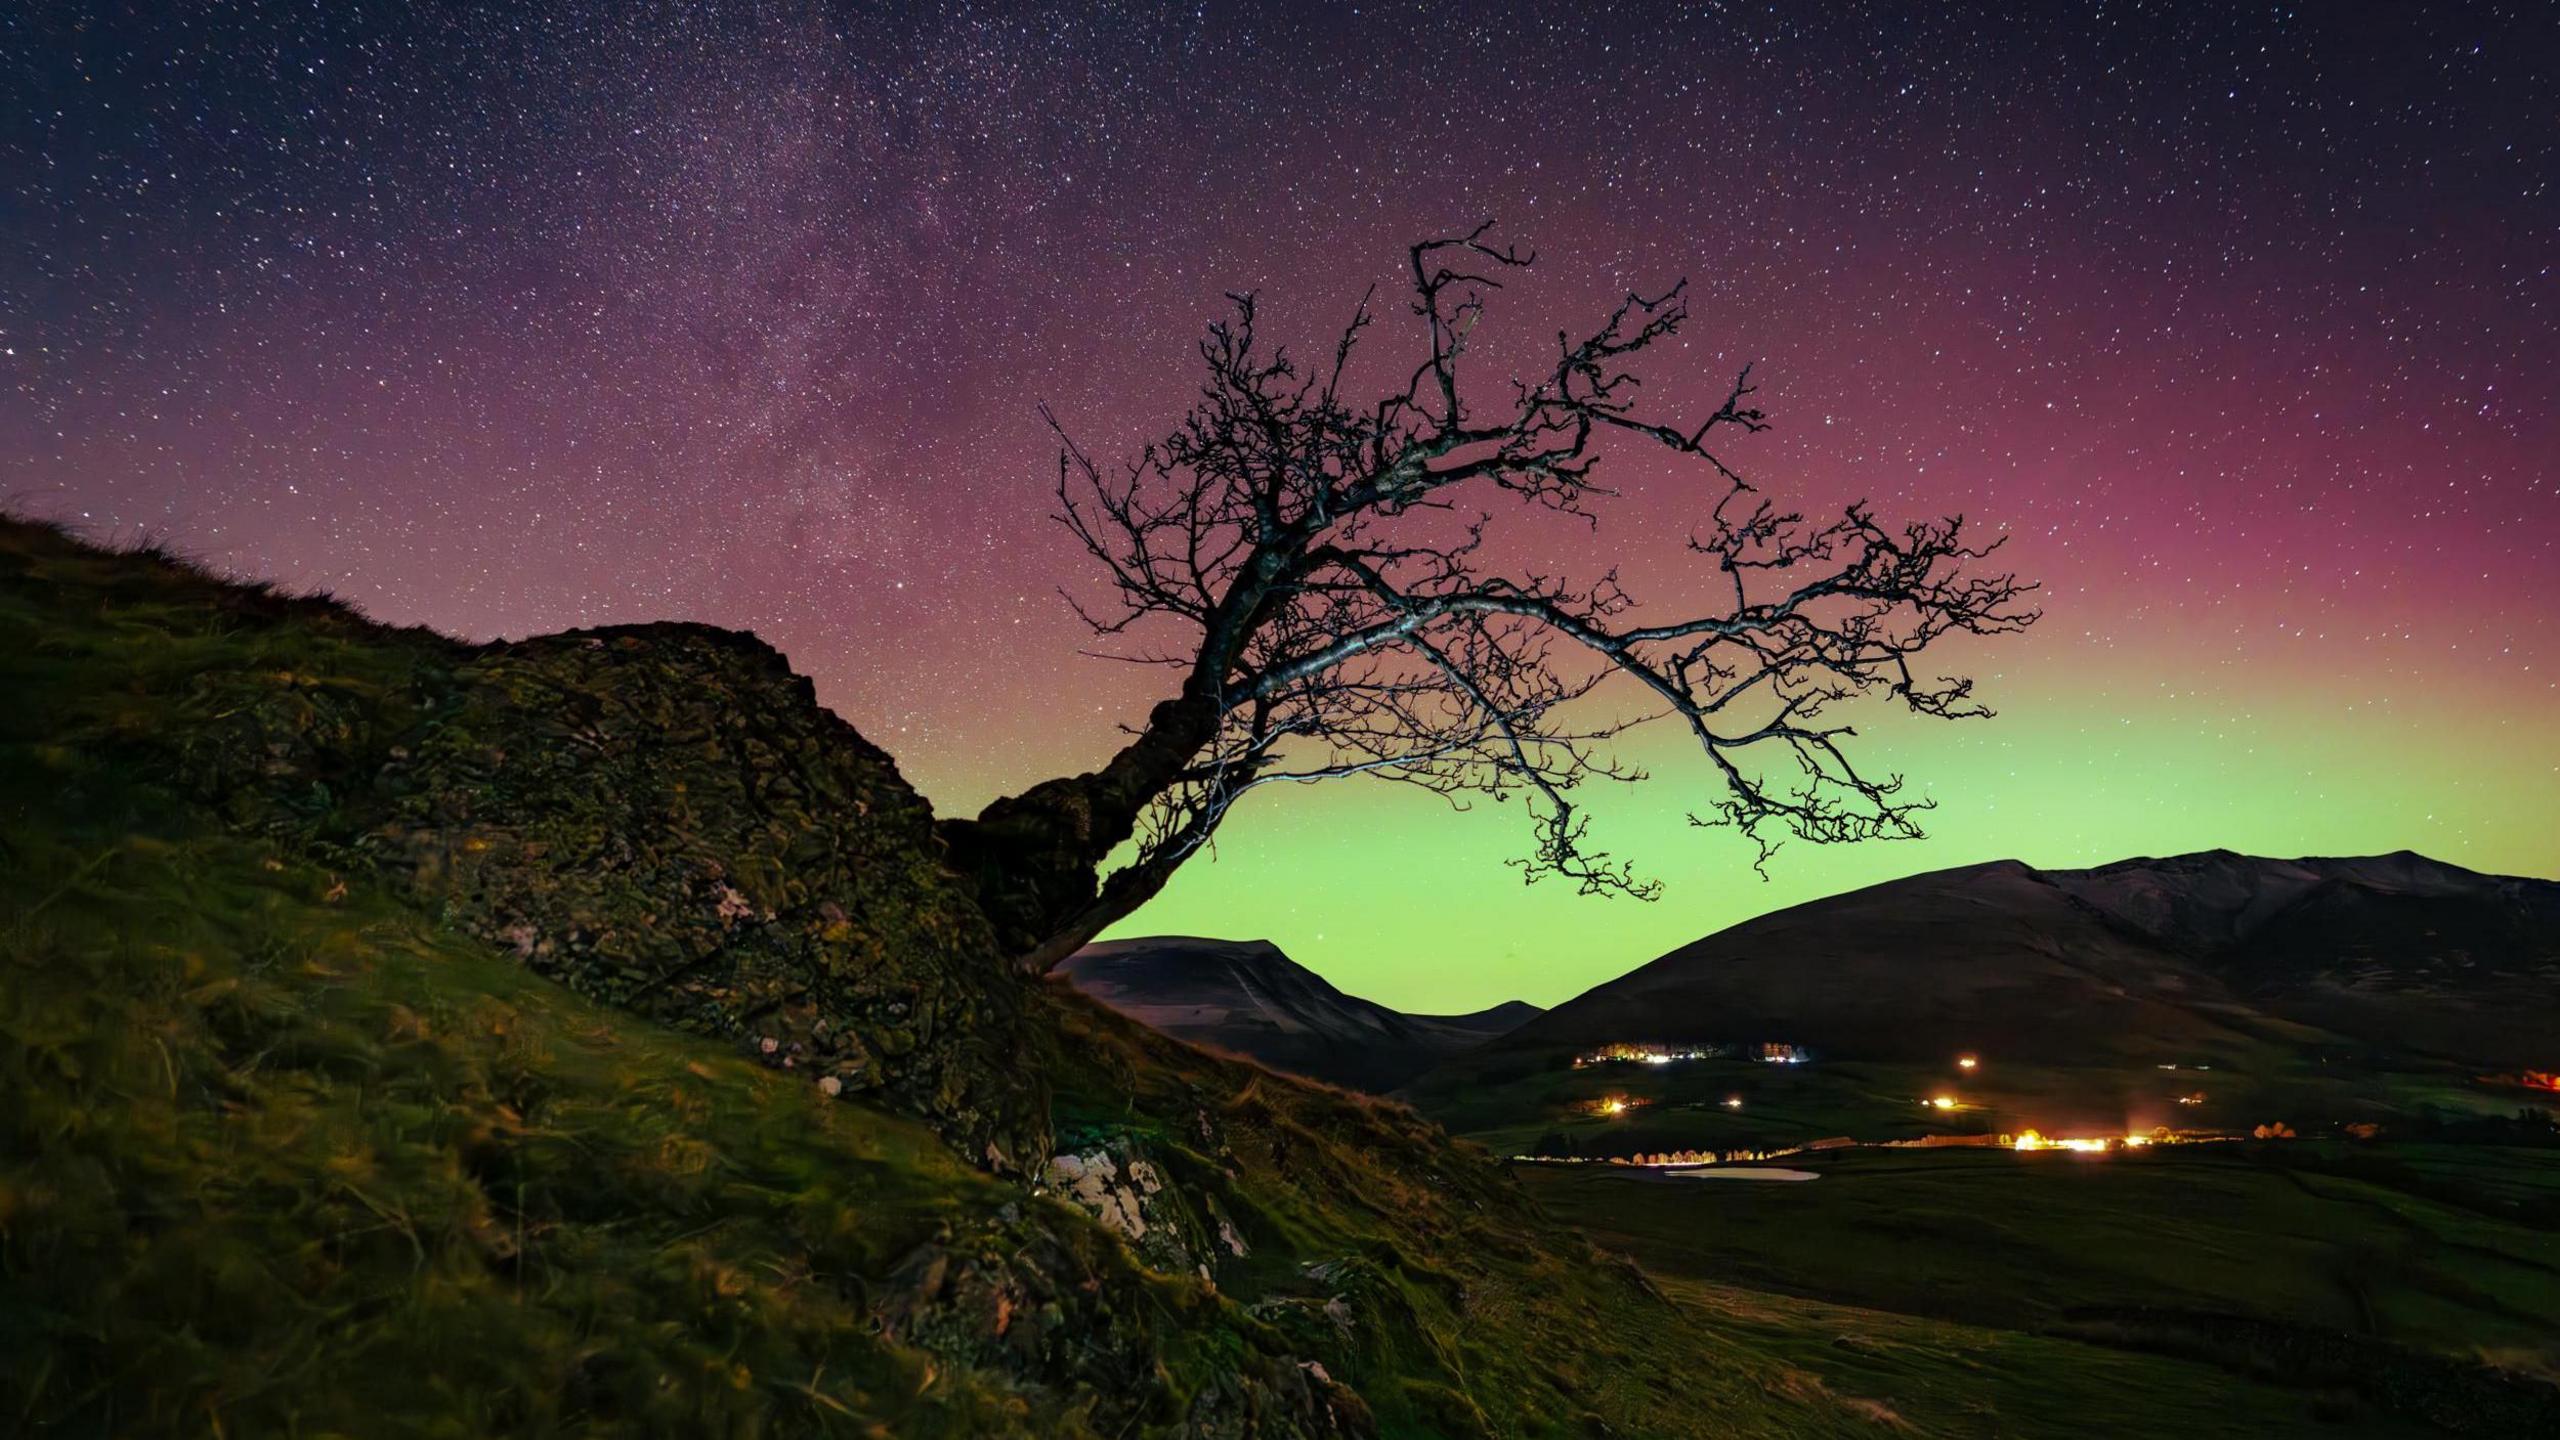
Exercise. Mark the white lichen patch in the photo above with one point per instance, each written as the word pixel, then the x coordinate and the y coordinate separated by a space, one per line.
pixel 1092 1182
pixel 1143 1175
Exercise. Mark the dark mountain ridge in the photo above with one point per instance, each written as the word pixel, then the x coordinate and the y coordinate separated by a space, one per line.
pixel 2154 957
pixel 1248 997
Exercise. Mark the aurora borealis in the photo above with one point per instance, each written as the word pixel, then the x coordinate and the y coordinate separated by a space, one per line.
pixel 2239 321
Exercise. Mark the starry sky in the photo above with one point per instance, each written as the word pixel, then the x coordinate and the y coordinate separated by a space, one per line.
pixel 2238 320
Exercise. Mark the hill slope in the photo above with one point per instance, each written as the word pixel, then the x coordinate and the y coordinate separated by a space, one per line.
pixel 582 1037
pixel 1248 997
pixel 2144 960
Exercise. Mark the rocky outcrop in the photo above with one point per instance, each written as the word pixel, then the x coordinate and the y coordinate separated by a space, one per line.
pixel 661 817
pixel 664 818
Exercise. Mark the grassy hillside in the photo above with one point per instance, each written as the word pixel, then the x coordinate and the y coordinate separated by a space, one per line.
pixel 329 1112
pixel 288 1155
pixel 579 1037
pixel 287 1163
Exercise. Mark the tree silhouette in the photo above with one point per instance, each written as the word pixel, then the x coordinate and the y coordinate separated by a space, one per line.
pixel 1301 563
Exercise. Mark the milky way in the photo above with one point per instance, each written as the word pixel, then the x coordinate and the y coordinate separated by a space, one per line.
pixel 2240 322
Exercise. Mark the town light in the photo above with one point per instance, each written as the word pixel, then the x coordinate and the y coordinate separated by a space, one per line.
pixel 2099 1145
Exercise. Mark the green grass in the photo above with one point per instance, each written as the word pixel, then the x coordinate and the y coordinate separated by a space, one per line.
pixel 1940 1378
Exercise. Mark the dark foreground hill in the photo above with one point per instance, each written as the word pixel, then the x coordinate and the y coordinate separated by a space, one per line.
pixel 1248 997
pixel 583 1036
pixel 2146 960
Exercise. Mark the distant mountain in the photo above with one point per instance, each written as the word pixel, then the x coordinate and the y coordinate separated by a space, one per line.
pixel 2147 959
pixel 1248 997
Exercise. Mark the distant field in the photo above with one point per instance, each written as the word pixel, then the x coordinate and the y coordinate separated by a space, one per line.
pixel 2444 1249
pixel 1937 1378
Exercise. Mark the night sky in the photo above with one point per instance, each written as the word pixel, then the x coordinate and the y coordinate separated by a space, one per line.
pixel 2240 321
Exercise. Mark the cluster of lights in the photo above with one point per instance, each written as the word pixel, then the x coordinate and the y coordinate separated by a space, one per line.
pixel 1968 1063
pixel 1626 1054
pixel 2030 1140
pixel 1613 1106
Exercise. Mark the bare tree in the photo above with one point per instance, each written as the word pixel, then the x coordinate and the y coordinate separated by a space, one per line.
pixel 1301 563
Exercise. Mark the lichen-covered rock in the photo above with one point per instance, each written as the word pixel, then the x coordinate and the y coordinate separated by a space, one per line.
pixel 1093 1182
pixel 1113 1181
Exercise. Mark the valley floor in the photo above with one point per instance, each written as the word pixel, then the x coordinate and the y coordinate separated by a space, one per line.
pixel 1990 1292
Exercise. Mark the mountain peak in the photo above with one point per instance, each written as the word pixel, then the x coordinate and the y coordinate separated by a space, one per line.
pixel 1249 997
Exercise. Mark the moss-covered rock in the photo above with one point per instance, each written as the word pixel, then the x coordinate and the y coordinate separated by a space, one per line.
pixel 664 818
pixel 661 817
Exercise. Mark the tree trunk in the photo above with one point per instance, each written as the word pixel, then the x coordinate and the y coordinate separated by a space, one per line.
pixel 1036 858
